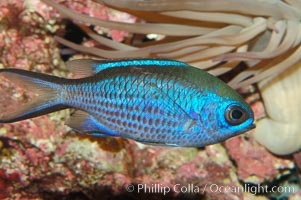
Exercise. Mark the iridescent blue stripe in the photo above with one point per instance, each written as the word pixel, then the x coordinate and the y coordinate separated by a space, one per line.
pixel 139 62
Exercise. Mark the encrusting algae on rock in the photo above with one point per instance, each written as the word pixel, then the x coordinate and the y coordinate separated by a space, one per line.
pixel 42 158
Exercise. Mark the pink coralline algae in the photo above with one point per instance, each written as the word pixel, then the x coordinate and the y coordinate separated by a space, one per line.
pixel 6 183
pixel 41 158
pixel 22 42
pixel 255 164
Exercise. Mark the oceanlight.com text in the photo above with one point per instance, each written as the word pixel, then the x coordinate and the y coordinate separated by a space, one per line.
pixel 209 188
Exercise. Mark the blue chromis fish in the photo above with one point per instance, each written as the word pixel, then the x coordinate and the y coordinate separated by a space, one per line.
pixel 153 101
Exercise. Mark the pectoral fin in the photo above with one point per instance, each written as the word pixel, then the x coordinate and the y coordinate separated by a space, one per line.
pixel 169 104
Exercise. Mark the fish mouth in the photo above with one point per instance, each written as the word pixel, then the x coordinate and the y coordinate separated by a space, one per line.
pixel 252 126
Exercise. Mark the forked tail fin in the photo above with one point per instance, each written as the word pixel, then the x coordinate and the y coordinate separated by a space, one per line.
pixel 47 88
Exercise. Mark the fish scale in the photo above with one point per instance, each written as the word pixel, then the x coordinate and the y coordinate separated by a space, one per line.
pixel 154 101
pixel 149 123
pixel 128 90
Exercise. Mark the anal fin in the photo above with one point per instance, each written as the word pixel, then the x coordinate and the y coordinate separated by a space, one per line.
pixel 83 122
pixel 97 134
pixel 160 144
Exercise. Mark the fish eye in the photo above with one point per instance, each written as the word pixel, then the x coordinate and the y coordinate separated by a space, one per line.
pixel 235 115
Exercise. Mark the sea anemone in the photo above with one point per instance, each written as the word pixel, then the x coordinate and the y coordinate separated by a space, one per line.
pixel 280 131
pixel 211 35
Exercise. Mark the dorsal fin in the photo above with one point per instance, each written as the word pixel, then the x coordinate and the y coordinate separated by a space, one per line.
pixel 82 68
pixel 88 67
